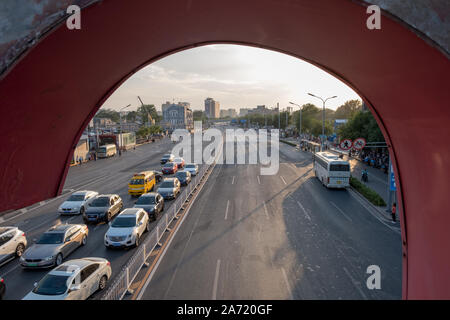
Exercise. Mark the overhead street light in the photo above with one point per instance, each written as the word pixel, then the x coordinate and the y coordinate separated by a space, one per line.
pixel 300 120
pixel 323 115
pixel 121 131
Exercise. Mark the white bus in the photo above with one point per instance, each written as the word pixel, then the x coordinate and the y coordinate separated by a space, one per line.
pixel 332 171
pixel 107 150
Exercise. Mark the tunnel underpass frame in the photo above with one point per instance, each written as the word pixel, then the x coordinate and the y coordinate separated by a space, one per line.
pixel 50 94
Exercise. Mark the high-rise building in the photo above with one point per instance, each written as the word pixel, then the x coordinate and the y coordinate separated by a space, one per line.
pixel 212 108
pixel 178 116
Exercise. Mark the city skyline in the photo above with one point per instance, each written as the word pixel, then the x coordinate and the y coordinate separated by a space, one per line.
pixel 237 76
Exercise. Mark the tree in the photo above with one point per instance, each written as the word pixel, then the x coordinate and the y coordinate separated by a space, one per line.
pixel 131 116
pixel 199 116
pixel 148 109
pixel 109 114
pixel 361 124
pixel 348 109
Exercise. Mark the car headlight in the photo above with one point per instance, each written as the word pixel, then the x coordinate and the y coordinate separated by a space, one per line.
pixel 48 258
pixel 22 258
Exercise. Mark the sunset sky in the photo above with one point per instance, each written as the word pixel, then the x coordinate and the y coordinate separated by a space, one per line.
pixel 236 76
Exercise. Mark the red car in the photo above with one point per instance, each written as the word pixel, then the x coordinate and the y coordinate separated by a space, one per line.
pixel 170 167
pixel 179 162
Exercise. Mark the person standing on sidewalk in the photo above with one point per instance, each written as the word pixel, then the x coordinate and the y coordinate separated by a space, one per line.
pixel 393 212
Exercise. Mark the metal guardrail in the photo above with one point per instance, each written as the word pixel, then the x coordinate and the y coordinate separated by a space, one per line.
pixel 129 272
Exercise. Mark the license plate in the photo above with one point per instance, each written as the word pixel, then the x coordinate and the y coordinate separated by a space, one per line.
pixel 32 264
pixel 116 244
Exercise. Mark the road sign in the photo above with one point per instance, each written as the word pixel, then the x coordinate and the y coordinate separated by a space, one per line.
pixel 359 143
pixel 393 186
pixel 345 144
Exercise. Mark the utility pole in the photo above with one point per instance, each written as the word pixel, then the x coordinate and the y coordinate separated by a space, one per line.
pixel 300 120
pixel 323 117
pixel 279 116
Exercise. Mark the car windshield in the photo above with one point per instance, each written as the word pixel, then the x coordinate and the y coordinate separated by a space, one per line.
pixel 51 238
pixel 190 166
pixel 124 222
pixel 52 285
pixel 166 184
pixel 181 174
pixel 146 200
pixel 166 156
pixel 137 181
pixel 168 165
pixel 178 160
pixel 76 197
pixel 100 202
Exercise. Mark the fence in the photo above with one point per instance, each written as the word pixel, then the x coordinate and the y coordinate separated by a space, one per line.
pixel 129 272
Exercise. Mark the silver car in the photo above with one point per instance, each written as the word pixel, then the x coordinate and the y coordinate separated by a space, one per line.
pixel 170 188
pixel 73 280
pixel 77 202
pixel 192 168
pixel 12 244
pixel 126 230
pixel 55 245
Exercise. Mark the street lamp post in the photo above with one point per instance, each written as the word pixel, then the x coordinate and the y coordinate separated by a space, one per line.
pixel 323 116
pixel 121 131
pixel 300 120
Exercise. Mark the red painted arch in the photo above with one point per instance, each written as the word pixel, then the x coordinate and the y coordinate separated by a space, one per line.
pixel 52 92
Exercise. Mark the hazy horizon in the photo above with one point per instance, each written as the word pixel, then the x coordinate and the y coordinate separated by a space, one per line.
pixel 236 76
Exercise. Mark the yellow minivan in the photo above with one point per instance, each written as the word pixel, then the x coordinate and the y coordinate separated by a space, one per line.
pixel 141 183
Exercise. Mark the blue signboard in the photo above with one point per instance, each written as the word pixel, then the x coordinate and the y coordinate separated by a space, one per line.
pixel 393 186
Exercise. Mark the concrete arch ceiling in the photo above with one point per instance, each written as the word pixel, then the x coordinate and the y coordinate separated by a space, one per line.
pixel 51 88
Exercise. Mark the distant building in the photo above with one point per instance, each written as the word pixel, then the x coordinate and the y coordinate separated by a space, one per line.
pixel 178 116
pixel 260 110
pixel 212 108
pixel 228 113
pixel 243 111
pixel 290 109
pixel 82 149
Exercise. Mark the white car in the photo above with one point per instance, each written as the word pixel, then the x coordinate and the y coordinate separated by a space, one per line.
pixel 73 280
pixel 192 168
pixel 12 243
pixel 77 202
pixel 127 228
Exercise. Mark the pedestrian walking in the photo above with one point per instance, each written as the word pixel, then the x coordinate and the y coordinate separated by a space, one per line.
pixel 393 212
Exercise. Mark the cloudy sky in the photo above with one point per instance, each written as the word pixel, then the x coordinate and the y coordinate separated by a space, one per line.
pixel 236 76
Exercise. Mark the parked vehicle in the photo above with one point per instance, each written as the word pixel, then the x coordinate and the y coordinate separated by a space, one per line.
pixel 184 177
pixel 77 202
pixel 179 162
pixel 141 183
pixel 75 279
pixel 170 168
pixel 167 158
pixel 170 188
pixel 158 176
pixel 54 246
pixel 152 203
pixel 12 244
pixel 2 288
pixel 107 150
pixel 103 208
pixel 192 168
pixel 127 228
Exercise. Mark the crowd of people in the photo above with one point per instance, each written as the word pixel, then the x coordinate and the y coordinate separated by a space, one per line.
pixel 375 158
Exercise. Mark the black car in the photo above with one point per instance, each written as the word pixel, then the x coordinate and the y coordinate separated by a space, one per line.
pixel 152 203
pixel 103 208
pixel 158 176
pixel 184 177
pixel 2 288
pixel 167 158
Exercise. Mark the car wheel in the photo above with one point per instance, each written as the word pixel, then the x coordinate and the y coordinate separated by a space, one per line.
pixel 162 208
pixel 20 249
pixel 82 210
pixel 84 240
pixel 59 259
pixel 108 217
pixel 102 283
pixel 147 227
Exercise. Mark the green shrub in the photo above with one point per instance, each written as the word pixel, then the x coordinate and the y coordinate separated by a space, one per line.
pixel 367 192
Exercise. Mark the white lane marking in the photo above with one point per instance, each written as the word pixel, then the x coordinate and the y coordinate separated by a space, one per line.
pixel 355 283
pixel 304 211
pixel 283 179
pixel 287 283
pixel 216 281
pixel 265 210
pixel 226 210
pixel 343 213
pixel 259 181
pixel 232 181
pixel 41 224
pixel 12 269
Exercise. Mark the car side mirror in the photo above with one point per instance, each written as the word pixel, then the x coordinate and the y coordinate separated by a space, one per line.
pixel 67 240
pixel 74 288
pixel 35 284
pixel 141 223
pixel 109 223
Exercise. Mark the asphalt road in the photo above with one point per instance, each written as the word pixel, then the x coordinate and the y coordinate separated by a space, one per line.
pixel 283 236
pixel 105 176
